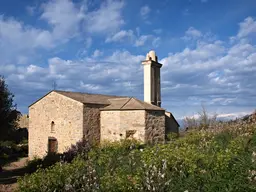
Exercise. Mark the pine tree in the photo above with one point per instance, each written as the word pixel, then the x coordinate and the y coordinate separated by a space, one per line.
pixel 8 112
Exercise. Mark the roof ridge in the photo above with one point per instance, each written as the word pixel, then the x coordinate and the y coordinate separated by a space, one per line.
pixel 118 98
pixel 126 102
pixel 61 91
pixel 138 101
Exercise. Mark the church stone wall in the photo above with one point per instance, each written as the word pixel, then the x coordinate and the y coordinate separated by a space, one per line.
pixel 170 124
pixel 91 122
pixel 67 115
pixel 116 125
pixel 155 126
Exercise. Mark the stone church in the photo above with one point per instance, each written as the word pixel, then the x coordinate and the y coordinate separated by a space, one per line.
pixel 60 118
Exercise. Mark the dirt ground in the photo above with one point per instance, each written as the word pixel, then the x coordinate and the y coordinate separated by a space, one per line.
pixel 10 173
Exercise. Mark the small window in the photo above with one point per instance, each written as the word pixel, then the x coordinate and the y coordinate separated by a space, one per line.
pixel 52 127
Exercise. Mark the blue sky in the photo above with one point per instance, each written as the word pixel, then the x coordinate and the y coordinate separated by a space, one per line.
pixel 207 48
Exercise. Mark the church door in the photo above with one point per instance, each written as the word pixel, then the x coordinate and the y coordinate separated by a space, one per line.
pixel 52 145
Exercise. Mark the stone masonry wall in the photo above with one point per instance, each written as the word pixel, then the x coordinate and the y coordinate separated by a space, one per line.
pixel 155 126
pixel 67 115
pixel 170 124
pixel 23 121
pixel 91 122
pixel 115 124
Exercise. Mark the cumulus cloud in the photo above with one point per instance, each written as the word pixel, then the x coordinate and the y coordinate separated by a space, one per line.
pixel 64 17
pixel 107 18
pixel 17 39
pixel 65 20
pixel 192 33
pixel 121 36
pixel 144 11
pixel 129 36
pixel 97 53
pixel 247 27
pixel 214 73
pixel 143 39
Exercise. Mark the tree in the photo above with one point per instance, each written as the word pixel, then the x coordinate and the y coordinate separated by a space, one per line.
pixel 203 121
pixel 8 112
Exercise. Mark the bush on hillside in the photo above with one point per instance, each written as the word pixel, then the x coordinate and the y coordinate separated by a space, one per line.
pixel 43 163
pixel 9 151
pixel 82 147
pixel 222 159
pixel 202 122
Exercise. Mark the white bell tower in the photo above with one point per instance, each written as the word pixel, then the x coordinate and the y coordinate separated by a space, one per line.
pixel 152 83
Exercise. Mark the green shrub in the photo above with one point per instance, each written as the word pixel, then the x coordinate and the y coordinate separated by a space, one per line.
pixel 10 151
pixel 223 160
pixel 47 161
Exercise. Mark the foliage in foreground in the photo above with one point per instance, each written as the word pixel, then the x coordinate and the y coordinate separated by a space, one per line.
pixel 223 160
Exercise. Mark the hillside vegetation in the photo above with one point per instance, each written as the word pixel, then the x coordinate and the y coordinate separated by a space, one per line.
pixel 220 158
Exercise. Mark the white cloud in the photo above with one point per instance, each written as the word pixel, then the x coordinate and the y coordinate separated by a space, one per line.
pixel 134 39
pixel 156 42
pixel 17 39
pixel 247 27
pixel 192 34
pixel 65 19
pixel 121 36
pixel 107 18
pixel 13 32
pixel 212 72
pixel 234 115
pixel 64 16
pixel 97 53
pixel 144 11
pixel 142 40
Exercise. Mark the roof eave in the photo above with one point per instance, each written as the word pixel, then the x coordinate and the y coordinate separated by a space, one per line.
pixel 40 98
pixel 103 109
